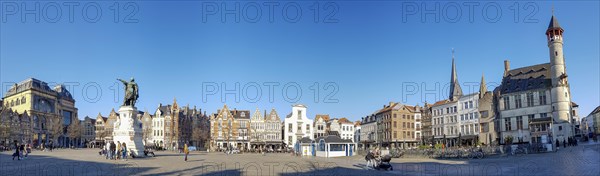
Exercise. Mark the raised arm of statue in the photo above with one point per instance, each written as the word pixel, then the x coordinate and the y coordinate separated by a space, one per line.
pixel 124 82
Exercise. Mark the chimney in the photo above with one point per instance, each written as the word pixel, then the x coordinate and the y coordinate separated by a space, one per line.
pixel 391 103
pixel 159 105
pixel 506 67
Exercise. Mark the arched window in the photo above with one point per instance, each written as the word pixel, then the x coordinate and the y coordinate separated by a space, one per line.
pixel 18 102
pixel 23 100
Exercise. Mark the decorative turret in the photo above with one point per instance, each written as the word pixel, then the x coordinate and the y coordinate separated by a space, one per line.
pixel 482 87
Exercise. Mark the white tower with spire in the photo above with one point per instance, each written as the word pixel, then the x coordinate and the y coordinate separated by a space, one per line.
pixel 560 93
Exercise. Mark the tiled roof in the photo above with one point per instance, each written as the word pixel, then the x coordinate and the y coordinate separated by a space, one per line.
pixel 441 102
pixel 240 114
pixel 526 78
pixel 387 108
pixel 573 104
pixel 165 110
pixel 595 111
pixel 553 23
pixel 333 139
pixel 344 120
pixel 305 140
pixel 324 116
pixel 335 133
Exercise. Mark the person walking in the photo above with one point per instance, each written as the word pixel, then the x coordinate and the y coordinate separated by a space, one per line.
pixel 124 151
pixel 118 150
pixel 106 150
pixel 186 151
pixel 22 151
pixel 370 157
pixel 27 150
pixel 564 143
pixel 16 154
pixel 557 144
pixel 113 149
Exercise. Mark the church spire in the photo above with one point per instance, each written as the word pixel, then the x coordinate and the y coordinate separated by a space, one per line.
pixel 482 87
pixel 455 90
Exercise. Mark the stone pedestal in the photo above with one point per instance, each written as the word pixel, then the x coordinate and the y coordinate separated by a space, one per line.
pixel 128 130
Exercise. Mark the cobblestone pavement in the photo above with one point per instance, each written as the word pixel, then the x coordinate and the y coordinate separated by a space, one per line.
pixel 580 160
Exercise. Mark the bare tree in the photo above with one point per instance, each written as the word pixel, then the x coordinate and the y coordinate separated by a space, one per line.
pixel 56 128
pixel 146 134
pixel 199 135
pixel 74 130
pixel 102 134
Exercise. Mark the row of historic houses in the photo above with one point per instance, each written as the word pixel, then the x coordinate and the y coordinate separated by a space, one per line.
pixel 531 105
pixel 238 129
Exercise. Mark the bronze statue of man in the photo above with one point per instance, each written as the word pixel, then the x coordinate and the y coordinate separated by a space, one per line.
pixel 131 92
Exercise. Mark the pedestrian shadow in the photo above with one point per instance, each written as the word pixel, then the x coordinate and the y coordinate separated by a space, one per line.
pixel 198 160
pixel 50 165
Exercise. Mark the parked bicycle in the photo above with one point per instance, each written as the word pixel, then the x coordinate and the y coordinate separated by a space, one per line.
pixel 520 151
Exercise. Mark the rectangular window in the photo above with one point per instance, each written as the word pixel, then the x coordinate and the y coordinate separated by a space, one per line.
pixel 542 97
pixel 543 115
pixel 519 123
pixel 506 102
pixel 518 101
pixel 507 124
pixel 290 128
pixel 529 99
pixel 485 127
pixel 470 104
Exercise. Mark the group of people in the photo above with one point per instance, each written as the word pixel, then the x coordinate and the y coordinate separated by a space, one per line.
pixel 568 142
pixel 115 151
pixel 21 151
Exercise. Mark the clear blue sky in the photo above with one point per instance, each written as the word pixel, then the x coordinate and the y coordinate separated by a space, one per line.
pixel 369 53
